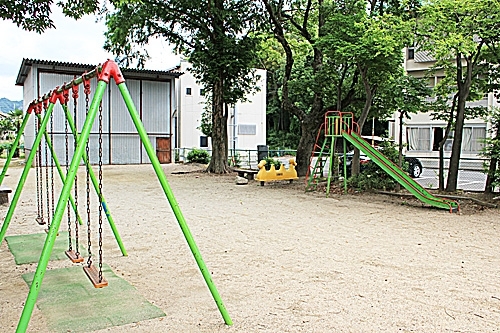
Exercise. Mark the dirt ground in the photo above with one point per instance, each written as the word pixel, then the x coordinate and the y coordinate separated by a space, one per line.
pixel 283 260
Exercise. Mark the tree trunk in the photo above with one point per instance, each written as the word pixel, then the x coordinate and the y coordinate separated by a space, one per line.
pixel 490 178
pixel 306 145
pixel 400 145
pixel 369 91
pixel 218 162
pixel 463 85
pixel 456 149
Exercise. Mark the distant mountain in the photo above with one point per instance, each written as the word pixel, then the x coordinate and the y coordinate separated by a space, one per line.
pixel 6 105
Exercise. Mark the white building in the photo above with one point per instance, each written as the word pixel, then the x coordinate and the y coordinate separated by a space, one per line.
pixel 421 133
pixel 246 120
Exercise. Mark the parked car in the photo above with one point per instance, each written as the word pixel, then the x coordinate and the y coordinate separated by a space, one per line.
pixel 414 165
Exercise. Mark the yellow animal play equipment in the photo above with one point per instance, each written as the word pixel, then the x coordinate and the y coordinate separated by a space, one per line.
pixel 272 175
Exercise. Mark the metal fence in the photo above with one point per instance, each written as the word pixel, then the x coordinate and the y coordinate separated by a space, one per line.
pixel 244 158
pixel 470 176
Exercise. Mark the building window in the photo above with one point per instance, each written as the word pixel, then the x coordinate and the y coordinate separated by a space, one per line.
pixel 202 92
pixel 203 141
pixel 411 53
pixel 188 91
pixel 419 138
pixel 472 139
pixel 247 129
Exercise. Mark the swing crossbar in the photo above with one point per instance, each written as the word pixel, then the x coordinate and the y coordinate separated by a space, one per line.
pixel 73 256
pixel 93 275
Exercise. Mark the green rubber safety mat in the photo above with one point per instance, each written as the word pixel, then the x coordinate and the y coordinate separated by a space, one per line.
pixel 26 249
pixel 70 303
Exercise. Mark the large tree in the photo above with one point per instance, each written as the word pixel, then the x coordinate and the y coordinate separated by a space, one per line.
pixel 456 33
pixel 350 55
pixel 213 34
pixel 306 19
pixel 372 45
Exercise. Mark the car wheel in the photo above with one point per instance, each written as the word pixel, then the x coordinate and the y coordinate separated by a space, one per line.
pixel 415 170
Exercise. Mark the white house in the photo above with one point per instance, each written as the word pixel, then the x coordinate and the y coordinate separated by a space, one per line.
pixel 421 133
pixel 246 121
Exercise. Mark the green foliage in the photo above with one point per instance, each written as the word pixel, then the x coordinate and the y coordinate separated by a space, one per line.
pixel 35 15
pixel 235 160
pixel 491 149
pixel 373 177
pixel 206 122
pixel 198 156
pixel 271 161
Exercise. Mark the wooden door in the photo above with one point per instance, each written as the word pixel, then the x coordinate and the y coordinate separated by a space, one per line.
pixel 163 150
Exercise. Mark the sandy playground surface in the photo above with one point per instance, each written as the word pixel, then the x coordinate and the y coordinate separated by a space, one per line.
pixel 283 260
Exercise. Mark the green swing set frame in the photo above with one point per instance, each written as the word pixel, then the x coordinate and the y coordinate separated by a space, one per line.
pixel 104 74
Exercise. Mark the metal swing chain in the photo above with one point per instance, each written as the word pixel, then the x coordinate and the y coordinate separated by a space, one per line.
pixel 66 100
pixel 47 177
pixel 75 114
pixel 38 218
pixel 87 151
pixel 52 163
pixel 40 170
pixel 100 191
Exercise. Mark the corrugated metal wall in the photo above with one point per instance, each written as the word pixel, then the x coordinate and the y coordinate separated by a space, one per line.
pixel 121 142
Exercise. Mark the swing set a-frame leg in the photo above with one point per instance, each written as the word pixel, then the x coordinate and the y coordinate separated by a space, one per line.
pixel 96 184
pixel 173 202
pixel 14 145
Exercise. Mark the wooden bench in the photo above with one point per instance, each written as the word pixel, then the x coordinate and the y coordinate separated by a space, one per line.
pixel 4 194
pixel 246 173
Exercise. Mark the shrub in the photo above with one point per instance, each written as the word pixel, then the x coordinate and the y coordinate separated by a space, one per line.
pixel 373 177
pixel 234 161
pixel 271 161
pixel 198 156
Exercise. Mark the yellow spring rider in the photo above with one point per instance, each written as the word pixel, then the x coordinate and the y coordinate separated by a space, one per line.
pixel 272 175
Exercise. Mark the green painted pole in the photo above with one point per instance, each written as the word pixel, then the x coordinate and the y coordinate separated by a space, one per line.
pixel 14 145
pixel 59 170
pixel 96 184
pixel 25 172
pixel 173 202
pixel 60 208
pixel 330 165
pixel 345 165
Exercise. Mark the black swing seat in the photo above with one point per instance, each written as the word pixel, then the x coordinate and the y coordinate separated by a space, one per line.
pixel 40 220
pixel 93 275
pixel 73 256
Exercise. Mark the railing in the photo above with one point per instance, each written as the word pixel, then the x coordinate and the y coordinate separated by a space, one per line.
pixel 470 175
pixel 244 158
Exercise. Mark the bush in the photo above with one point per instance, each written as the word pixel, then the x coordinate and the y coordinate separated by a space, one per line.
pixel 198 156
pixel 373 177
pixel 271 161
pixel 234 161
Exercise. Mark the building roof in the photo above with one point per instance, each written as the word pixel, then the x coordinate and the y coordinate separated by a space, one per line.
pixel 127 72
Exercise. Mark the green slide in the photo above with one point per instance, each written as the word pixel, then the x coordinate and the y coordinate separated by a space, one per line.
pixel 399 175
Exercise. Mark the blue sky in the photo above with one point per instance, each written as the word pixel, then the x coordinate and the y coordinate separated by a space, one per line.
pixel 71 41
